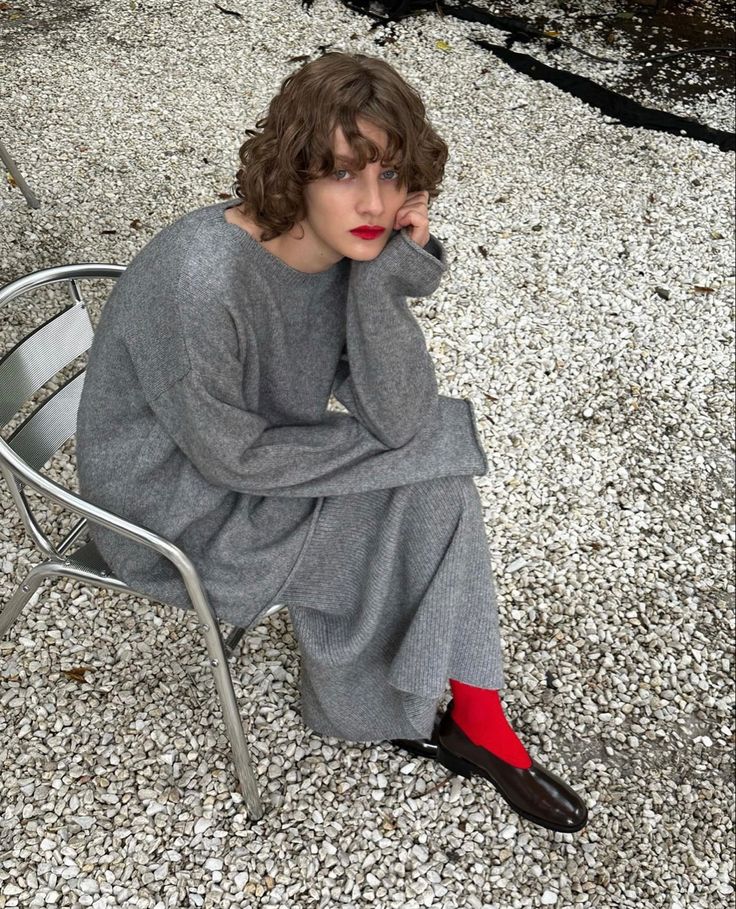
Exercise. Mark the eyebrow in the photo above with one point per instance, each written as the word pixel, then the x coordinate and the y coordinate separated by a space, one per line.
pixel 344 159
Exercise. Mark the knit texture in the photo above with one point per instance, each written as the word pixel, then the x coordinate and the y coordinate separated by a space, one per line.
pixel 204 413
pixel 393 596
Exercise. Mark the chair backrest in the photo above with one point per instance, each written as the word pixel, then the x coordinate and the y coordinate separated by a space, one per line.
pixel 36 359
pixel 24 370
pixel 33 362
pixel 51 346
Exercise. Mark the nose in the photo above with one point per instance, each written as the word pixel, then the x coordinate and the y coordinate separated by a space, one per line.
pixel 370 198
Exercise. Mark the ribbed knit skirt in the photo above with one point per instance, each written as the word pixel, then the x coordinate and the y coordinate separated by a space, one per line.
pixel 393 595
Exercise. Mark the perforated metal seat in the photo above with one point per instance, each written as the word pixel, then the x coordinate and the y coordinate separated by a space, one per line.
pixel 35 361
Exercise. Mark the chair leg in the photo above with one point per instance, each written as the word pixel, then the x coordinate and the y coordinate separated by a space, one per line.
pixel 235 732
pixel 232 641
pixel 15 174
pixel 218 663
pixel 18 600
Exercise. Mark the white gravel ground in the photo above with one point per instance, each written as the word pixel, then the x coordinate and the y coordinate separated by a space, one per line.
pixel 601 374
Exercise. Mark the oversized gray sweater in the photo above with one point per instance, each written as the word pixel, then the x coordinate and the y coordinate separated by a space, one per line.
pixel 204 415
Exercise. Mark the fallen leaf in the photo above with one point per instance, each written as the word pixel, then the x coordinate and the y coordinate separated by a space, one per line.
pixel 224 195
pixel 442 45
pixel 10 179
pixel 703 290
pixel 77 673
pixel 551 34
pixel 136 224
pixel 108 231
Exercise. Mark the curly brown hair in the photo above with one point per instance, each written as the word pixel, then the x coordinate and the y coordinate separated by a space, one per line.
pixel 295 145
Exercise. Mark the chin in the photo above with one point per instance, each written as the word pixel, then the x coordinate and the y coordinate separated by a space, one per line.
pixel 367 256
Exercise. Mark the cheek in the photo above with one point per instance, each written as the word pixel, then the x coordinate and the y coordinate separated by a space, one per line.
pixel 319 197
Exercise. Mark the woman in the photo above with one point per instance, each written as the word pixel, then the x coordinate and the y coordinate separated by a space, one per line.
pixel 205 418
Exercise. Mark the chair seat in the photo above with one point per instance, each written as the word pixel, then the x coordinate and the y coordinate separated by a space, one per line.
pixel 91 567
pixel 88 558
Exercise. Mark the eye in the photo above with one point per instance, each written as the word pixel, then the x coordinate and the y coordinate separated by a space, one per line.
pixel 336 174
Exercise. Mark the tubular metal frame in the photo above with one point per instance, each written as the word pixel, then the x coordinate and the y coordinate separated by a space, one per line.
pixel 86 564
pixel 16 175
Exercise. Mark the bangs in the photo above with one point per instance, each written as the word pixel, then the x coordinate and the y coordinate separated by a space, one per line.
pixel 362 149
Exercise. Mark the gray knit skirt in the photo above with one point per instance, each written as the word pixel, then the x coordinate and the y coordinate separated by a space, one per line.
pixel 392 596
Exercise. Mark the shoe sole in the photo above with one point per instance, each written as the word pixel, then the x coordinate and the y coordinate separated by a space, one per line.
pixel 468 769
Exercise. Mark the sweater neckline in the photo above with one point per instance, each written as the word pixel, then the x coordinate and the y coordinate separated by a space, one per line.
pixel 292 275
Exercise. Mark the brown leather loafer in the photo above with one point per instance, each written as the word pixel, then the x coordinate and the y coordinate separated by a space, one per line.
pixel 535 793
pixel 421 747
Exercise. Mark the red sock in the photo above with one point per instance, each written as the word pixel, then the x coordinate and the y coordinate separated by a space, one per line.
pixel 478 712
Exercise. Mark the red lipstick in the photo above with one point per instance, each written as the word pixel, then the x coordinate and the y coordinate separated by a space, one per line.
pixel 366 232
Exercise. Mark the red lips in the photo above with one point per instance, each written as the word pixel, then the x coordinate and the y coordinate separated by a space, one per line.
pixel 366 232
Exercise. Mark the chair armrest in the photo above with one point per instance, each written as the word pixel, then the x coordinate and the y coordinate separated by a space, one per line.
pixel 9 461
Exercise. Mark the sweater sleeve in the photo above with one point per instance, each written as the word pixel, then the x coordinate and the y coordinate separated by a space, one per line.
pixel 235 449
pixel 192 380
pixel 200 407
pixel 386 378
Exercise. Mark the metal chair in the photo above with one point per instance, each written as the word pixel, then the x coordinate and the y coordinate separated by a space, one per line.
pixel 24 371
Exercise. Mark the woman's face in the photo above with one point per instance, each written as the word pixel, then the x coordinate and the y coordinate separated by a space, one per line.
pixel 349 199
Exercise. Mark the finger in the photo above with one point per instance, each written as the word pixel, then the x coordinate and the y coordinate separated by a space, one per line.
pixel 418 206
pixel 410 216
pixel 417 226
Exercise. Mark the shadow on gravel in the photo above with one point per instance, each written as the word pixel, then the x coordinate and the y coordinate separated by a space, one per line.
pixel 21 20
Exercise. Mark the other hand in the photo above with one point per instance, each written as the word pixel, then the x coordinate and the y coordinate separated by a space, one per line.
pixel 414 215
